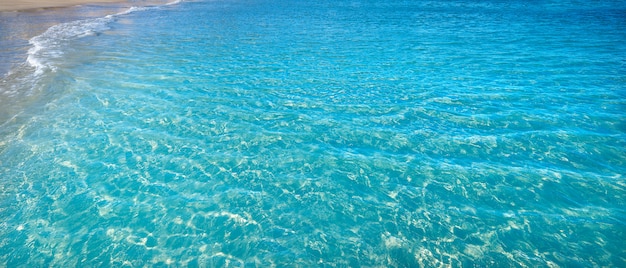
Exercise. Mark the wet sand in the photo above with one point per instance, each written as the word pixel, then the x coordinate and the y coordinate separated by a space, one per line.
pixel 15 5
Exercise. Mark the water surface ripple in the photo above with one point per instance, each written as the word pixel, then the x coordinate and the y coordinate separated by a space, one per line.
pixel 324 133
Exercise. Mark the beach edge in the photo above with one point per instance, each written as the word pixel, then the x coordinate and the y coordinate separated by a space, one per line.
pixel 25 5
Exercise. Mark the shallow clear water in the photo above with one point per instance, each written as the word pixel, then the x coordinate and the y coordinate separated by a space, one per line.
pixel 339 133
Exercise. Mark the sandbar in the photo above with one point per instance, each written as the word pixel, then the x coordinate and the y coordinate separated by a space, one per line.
pixel 16 5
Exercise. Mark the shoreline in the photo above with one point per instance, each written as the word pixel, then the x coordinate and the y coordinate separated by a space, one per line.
pixel 21 20
pixel 25 5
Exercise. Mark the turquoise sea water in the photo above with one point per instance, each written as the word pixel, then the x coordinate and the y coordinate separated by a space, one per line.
pixel 318 133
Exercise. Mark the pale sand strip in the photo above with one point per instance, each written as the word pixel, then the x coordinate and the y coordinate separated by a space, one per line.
pixel 14 5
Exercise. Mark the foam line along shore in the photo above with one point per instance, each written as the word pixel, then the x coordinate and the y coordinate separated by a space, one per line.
pixel 35 42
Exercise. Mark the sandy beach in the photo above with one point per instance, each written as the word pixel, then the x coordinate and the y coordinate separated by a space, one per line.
pixel 14 5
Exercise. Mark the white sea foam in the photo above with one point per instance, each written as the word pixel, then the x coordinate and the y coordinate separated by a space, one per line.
pixel 46 55
pixel 48 46
pixel 173 3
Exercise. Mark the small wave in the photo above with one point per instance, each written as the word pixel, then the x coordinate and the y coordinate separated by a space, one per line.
pixel 173 3
pixel 48 46
pixel 46 52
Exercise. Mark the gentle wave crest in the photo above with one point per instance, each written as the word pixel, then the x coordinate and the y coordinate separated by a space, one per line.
pixel 48 46
pixel 47 51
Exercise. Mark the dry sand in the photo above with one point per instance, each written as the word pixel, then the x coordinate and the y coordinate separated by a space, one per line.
pixel 10 5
